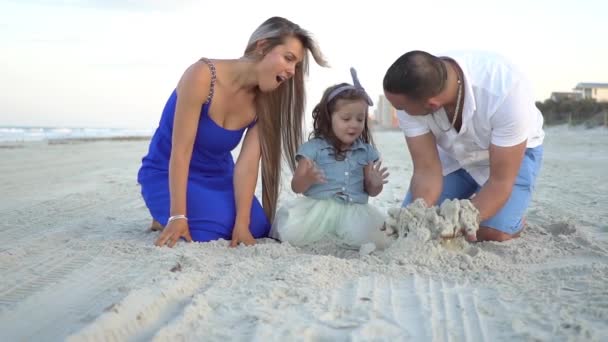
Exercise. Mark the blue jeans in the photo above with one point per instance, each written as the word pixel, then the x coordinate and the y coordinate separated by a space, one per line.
pixel 509 219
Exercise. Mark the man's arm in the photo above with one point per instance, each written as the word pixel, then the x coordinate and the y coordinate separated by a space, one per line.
pixel 427 180
pixel 510 128
pixel 504 167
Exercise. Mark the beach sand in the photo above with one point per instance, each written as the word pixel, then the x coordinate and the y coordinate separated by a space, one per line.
pixel 78 263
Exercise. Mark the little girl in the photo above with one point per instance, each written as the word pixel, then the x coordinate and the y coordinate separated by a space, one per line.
pixel 337 170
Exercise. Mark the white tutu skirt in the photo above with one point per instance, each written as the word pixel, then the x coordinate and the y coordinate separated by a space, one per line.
pixel 304 221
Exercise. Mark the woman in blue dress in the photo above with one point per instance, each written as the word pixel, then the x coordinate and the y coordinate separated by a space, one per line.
pixel 189 181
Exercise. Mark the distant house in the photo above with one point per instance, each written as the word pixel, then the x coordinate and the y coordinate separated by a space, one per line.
pixel 558 96
pixel 596 91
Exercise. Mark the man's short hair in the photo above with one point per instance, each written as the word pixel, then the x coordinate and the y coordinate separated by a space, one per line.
pixel 416 74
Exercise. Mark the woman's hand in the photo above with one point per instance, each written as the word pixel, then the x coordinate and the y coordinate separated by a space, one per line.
pixel 242 234
pixel 174 231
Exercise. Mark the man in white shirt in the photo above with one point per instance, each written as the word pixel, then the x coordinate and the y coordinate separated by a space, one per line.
pixel 473 131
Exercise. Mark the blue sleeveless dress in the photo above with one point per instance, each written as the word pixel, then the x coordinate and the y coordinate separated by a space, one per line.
pixel 210 201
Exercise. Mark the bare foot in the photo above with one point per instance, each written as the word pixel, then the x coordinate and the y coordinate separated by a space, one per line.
pixel 491 234
pixel 156 226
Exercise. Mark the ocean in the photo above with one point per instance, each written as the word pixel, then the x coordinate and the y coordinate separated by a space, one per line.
pixel 16 134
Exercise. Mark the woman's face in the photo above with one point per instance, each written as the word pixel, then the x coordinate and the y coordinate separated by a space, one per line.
pixel 279 64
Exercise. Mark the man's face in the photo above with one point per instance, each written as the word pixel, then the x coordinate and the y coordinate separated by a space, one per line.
pixel 402 102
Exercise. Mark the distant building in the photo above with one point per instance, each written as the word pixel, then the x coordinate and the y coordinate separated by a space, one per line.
pixel 596 91
pixel 565 95
pixel 385 114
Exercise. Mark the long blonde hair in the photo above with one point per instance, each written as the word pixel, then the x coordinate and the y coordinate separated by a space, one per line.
pixel 281 112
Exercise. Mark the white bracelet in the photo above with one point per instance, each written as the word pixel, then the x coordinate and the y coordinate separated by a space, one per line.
pixel 177 217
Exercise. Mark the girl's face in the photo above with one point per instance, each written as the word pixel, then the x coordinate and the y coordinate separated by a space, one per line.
pixel 348 120
pixel 279 64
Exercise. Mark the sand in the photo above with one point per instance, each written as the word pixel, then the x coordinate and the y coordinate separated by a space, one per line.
pixel 77 262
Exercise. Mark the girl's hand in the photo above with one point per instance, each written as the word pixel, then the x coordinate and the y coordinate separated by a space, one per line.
pixel 308 173
pixel 375 176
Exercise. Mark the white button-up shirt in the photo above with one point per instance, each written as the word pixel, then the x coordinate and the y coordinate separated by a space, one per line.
pixel 499 109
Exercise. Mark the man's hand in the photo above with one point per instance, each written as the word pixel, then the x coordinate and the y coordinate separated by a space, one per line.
pixel 460 217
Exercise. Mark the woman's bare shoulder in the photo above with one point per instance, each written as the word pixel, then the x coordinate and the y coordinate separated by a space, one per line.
pixel 196 81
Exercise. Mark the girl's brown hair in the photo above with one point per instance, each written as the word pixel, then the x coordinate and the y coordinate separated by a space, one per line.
pixel 321 115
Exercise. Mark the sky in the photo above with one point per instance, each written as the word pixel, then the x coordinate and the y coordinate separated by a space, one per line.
pixel 111 63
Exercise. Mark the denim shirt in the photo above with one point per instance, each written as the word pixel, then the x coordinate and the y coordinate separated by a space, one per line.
pixel 344 178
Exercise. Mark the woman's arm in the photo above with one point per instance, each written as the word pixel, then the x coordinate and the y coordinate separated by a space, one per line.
pixel 245 180
pixel 192 92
